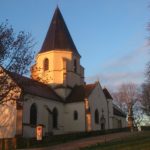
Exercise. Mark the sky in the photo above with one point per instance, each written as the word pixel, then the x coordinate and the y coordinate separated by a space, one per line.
pixel 110 35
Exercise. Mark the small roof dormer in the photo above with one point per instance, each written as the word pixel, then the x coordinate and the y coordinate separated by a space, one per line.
pixel 58 36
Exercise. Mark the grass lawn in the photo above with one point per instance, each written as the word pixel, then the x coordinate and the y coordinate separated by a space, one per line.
pixel 141 141
pixel 59 139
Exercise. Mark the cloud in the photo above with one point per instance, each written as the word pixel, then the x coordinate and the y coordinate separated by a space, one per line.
pixel 128 59
pixel 125 69
pixel 113 80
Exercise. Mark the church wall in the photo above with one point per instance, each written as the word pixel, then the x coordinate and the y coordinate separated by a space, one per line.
pixel 55 72
pixel 63 92
pixel 8 111
pixel 119 122
pixel 70 124
pixel 98 101
pixel 8 120
pixel 75 78
pixel 82 73
pixel 43 116
pixel 110 105
pixel 61 68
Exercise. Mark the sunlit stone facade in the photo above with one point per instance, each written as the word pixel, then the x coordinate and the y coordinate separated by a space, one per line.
pixel 61 70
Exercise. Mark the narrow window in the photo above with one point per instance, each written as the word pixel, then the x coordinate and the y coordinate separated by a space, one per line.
pixel 96 116
pixel 46 64
pixel 75 65
pixel 75 115
pixel 55 118
pixel 33 114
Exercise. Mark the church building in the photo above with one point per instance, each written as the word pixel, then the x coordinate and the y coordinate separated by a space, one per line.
pixel 56 96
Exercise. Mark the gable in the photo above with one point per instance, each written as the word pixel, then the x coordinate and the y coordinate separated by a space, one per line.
pixel 80 92
pixel 97 90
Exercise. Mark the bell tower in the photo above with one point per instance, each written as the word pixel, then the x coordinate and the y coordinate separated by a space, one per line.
pixel 58 62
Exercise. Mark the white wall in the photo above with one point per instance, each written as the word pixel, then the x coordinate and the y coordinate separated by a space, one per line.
pixel 110 105
pixel 118 118
pixel 42 114
pixel 98 101
pixel 72 125
pixel 8 120
pixel 66 122
pixel 8 112
pixel 61 68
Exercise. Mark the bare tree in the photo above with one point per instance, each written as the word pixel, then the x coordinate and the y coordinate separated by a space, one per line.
pixel 127 96
pixel 145 97
pixel 138 113
pixel 16 52
pixel 147 72
pixel 16 55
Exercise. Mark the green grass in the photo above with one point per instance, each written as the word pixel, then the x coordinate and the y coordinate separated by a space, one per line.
pixel 59 139
pixel 140 141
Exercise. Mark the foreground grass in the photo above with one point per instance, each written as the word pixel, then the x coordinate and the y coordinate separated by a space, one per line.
pixel 59 139
pixel 140 141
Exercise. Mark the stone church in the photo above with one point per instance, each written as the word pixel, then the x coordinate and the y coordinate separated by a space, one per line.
pixel 56 96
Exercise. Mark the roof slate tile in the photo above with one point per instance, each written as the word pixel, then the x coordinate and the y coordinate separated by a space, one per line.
pixel 58 36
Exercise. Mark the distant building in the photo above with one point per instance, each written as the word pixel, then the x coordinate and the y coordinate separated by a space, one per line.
pixel 56 95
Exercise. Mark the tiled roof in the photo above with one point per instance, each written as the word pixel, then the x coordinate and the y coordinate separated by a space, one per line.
pixel 107 94
pixel 31 86
pixel 58 36
pixel 79 93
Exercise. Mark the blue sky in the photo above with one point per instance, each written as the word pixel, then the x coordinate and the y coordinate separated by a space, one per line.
pixel 110 35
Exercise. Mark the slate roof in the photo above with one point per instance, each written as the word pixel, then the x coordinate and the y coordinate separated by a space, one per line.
pixel 118 112
pixel 58 36
pixel 31 86
pixel 79 93
pixel 107 94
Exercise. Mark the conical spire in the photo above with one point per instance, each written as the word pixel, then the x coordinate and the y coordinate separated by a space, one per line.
pixel 58 36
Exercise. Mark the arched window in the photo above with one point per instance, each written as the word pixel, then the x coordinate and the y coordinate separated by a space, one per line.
pixel 96 116
pixel 55 118
pixel 75 115
pixel 46 64
pixel 33 114
pixel 75 65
